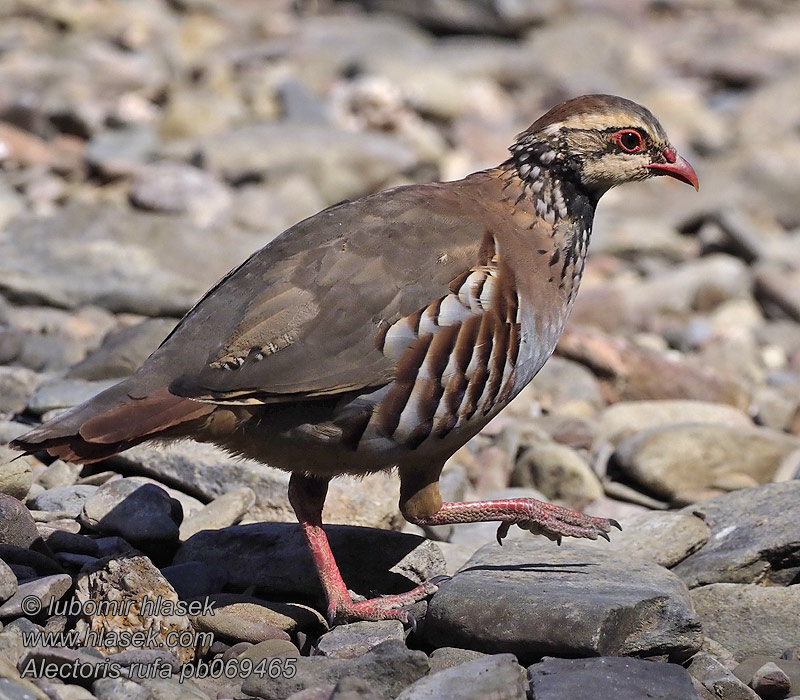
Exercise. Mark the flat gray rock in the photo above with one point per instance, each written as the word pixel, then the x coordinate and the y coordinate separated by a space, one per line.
pixel 172 688
pixel 499 677
pixel 625 418
pixel 178 187
pixel 113 688
pixel 240 617
pixel 754 538
pixel 17 384
pixel 65 393
pixel 609 678
pixel 73 666
pixel 137 512
pixel 341 164
pixel 389 668
pixel 116 258
pixel 664 537
pixel 11 689
pixel 17 527
pixel 676 461
pixel 8 582
pixel 532 599
pixel 66 499
pixel 45 589
pixel 225 510
pixel 447 657
pixel 274 558
pixel 748 619
pixel 16 475
pixel 357 638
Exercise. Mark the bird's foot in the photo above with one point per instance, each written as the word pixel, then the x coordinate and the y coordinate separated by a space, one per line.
pixel 388 607
pixel 556 522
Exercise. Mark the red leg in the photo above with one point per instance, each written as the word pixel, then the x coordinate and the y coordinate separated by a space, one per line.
pixel 540 518
pixel 307 496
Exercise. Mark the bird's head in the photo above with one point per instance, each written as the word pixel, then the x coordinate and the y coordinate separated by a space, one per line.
pixel 599 141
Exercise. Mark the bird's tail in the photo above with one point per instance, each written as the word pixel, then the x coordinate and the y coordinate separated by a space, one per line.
pixel 113 421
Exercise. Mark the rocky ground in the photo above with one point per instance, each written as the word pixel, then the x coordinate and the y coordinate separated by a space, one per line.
pixel 146 147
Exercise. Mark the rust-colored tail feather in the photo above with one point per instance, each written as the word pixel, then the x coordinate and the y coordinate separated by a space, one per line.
pixel 112 422
pixel 142 418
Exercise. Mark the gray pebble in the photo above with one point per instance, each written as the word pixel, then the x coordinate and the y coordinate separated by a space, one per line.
pixel 8 581
pixel 67 499
pixel 135 511
pixel 357 638
pixel 59 473
pixel 616 678
pixel 46 589
pixel 11 689
pixel 115 688
pixel 17 527
pixel 223 511
pixel 447 657
pixel 16 475
pixel 717 679
pixel 770 682
pixel 497 676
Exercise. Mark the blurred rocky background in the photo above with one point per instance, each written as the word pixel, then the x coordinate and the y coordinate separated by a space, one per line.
pixel 147 146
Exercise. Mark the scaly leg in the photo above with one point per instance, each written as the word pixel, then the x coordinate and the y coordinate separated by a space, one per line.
pixel 307 496
pixel 538 517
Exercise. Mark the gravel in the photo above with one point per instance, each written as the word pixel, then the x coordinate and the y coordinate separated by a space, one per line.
pixel 147 148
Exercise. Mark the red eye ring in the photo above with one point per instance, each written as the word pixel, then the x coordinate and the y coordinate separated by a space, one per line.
pixel 629 140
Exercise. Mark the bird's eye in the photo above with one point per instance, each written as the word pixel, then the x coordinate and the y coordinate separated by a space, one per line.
pixel 629 140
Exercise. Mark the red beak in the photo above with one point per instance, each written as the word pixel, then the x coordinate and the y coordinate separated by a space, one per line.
pixel 676 167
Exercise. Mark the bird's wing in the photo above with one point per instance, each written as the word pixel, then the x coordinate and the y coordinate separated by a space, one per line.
pixel 303 316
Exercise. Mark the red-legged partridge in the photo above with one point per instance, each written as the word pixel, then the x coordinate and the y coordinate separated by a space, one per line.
pixel 387 331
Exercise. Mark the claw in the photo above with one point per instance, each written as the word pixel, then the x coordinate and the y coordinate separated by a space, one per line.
pixel 412 622
pixel 604 535
pixel 436 580
pixel 615 523
pixel 558 540
pixel 502 531
pixel 330 616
